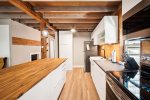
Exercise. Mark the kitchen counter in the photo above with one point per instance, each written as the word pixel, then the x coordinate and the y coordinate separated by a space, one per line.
pixel 134 83
pixel 107 65
pixel 18 79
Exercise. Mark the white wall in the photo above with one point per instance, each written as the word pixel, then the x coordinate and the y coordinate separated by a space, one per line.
pixel 78 47
pixel 4 42
pixel 128 4
pixel 21 53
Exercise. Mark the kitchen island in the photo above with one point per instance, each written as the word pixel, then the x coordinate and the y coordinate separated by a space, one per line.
pixel 36 78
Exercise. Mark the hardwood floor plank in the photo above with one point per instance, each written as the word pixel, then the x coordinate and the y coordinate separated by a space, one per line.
pixel 79 86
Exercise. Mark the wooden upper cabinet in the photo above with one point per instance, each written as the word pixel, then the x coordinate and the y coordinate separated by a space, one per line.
pixel 106 31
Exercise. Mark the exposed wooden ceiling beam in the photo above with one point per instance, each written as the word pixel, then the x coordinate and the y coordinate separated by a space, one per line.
pixel 75 9
pixel 74 20
pixel 64 21
pixel 67 26
pixel 77 27
pixel 5 9
pixel 79 30
pixel 28 21
pixel 30 12
pixel 73 16
pixel 75 0
pixel 62 24
pixel 16 16
pixel 54 16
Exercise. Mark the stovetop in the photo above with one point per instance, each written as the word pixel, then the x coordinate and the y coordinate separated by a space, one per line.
pixel 137 82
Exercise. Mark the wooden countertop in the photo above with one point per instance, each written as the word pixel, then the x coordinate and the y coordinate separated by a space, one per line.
pixel 18 79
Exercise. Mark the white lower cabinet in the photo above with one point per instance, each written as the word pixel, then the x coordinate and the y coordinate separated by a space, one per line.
pixel 48 88
pixel 99 79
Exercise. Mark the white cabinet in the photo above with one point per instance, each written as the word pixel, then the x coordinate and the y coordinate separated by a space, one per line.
pixel 128 4
pixel 99 79
pixel 66 47
pixel 106 31
pixel 48 88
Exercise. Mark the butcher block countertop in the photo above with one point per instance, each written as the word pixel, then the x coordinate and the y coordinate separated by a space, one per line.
pixel 18 79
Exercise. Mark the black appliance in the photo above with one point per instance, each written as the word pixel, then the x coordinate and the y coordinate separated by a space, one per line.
pixel 128 85
pixel 130 63
pixel 89 50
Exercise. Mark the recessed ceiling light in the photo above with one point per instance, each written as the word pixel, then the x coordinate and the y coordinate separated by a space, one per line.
pixel 73 30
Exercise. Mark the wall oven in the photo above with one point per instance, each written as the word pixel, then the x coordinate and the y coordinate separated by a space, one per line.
pixel 113 91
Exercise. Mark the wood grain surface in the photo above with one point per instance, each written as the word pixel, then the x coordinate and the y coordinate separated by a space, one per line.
pixel 145 47
pixel 22 41
pixel 79 86
pixel 18 79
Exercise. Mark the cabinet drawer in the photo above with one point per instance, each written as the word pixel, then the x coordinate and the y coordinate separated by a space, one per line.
pixel 99 79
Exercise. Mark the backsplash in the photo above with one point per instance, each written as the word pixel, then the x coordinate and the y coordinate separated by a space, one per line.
pixel 108 49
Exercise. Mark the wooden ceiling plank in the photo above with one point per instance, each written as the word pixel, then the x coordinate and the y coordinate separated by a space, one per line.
pixel 75 9
pixel 73 24
pixel 54 16
pixel 68 26
pixel 30 12
pixel 63 21
pixel 76 0
pixel 15 16
pixel 73 16
pixel 4 9
pixel 74 20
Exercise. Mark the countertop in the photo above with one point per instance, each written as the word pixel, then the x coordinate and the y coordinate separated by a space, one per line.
pixel 18 79
pixel 135 83
pixel 107 65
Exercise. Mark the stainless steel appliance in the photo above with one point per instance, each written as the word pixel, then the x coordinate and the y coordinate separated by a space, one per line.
pixel 139 49
pixel 132 47
pixel 89 50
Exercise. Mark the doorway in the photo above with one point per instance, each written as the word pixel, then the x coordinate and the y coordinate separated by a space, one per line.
pixel 51 48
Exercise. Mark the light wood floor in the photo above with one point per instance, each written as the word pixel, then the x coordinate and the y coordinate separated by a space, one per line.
pixel 79 86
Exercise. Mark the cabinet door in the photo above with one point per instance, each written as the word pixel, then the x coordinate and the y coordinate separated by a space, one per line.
pixel 111 29
pixel 92 68
pixel 41 91
pixel 48 88
pixel 65 51
pixel 65 37
pixel 100 81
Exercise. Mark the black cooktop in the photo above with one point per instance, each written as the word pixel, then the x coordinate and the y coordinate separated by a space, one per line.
pixel 136 82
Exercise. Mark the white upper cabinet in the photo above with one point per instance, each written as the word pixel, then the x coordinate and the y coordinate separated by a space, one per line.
pixel 128 4
pixel 106 31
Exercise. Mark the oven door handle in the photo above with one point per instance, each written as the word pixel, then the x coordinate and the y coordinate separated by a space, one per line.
pixel 116 90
